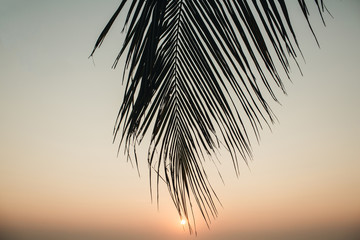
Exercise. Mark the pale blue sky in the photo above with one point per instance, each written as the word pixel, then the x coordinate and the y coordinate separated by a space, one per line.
pixel 58 166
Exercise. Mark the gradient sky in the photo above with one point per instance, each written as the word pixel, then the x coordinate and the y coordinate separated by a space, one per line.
pixel 59 172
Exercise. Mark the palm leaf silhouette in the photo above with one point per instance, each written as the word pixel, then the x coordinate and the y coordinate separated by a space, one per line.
pixel 196 73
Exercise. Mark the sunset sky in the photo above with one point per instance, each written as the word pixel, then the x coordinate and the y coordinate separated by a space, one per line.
pixel 60 173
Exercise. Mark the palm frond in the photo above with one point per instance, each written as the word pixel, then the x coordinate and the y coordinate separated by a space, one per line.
pixel 196 73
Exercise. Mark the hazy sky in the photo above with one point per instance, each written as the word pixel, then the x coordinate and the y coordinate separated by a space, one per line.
pixel 59 170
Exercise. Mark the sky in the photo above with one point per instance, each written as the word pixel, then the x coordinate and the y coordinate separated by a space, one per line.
pixel 59 170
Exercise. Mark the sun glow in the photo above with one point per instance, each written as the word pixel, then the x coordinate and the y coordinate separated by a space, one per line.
pixel 183 221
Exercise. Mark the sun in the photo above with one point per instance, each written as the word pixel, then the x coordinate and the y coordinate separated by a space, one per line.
pixel 183 222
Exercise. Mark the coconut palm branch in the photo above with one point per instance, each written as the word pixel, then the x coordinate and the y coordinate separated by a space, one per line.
pixel 197 77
